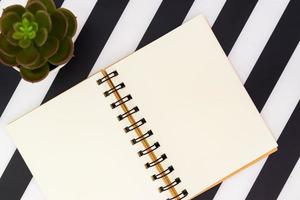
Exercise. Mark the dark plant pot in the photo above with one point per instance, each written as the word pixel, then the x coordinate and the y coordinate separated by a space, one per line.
pixel 52 68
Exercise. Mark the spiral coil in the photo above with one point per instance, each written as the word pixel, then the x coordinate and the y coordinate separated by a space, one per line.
pixel 149 149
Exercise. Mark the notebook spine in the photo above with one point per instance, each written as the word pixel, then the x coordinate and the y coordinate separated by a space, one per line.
pixel 149 149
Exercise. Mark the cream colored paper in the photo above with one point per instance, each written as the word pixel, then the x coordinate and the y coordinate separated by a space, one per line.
pixel 196 105
pixel 192 100
pixel 76 149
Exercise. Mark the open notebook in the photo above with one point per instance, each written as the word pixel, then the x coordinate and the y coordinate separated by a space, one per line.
pixel 167 122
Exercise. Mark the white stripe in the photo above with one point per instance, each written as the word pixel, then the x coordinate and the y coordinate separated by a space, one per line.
pixel 6 149
pixel 290 190
pixel 5 3
pixel 208 8
pixel 255 35
pixel 276 113
pixel 284 97
pixel 128 32
pixel 33 192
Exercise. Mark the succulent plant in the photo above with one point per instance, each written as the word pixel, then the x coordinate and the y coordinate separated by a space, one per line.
pixel 36 36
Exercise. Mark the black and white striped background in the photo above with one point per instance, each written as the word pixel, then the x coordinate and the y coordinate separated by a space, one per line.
pixel 260 37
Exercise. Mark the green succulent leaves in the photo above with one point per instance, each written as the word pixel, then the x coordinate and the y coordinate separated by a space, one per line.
pixel 36 36
pixel 25 31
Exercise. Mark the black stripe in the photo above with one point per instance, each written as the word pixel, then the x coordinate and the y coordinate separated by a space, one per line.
pixel 58 3
pixel 278 166
pixel 209 194
pixel 272 62
pixel 170 15
pixel 275 55
pixel 227 28
pixel 88 45
pixel 9 81
pixel 231 21
pixel 15 178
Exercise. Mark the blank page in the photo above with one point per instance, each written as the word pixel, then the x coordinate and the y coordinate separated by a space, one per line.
pixel 195 105
pixel 76 149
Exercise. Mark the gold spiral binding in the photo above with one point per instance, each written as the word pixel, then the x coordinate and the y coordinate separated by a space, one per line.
pixel 139 133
